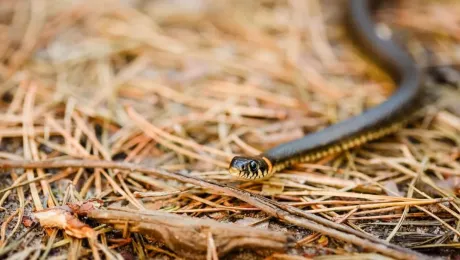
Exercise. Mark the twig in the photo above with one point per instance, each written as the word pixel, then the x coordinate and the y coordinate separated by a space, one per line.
pixel 190 236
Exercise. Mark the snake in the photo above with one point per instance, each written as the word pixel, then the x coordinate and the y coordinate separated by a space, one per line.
pixel 374 123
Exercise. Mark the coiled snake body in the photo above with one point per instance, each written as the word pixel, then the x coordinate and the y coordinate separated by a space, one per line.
pixel 374 123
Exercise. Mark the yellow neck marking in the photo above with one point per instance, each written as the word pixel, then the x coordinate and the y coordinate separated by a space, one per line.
pixel 270 165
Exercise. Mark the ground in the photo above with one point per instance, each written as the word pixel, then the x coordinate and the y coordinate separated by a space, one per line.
pixel 120 118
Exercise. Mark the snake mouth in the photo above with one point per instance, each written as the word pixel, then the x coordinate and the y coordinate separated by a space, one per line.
pixel 235 172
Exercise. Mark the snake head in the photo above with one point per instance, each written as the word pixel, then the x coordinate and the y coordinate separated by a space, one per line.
pixel 254 168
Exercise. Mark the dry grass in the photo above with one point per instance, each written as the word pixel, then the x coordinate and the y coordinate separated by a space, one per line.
pixel 179 87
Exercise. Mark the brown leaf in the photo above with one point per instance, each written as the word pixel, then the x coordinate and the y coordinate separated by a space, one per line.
pixel 27 221
pixel 83 208
pixel 62 218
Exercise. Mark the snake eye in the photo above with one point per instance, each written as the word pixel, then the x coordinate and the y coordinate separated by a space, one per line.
pixel 253 166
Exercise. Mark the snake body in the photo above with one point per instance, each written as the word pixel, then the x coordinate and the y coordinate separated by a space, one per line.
pixel 372 124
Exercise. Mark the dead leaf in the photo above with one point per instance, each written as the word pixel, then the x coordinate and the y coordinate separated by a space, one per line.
pixel 61 217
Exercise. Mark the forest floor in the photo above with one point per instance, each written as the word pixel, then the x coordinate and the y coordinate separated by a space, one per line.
pixel 118 120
